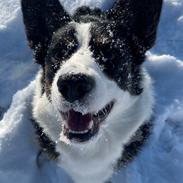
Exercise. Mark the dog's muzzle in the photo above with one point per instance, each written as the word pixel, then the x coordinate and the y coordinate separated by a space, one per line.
pixel 81 128
pixel 75 87
pixel 77 126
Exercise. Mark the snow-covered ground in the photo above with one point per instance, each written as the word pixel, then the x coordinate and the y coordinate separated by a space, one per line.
pixel 161 161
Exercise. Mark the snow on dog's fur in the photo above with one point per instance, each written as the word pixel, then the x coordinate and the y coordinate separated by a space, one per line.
pixel 92 92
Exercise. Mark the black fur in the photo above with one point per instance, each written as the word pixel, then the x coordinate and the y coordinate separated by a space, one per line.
pixel 113 51
pixel 42 19
pixel 64 43
pixel 46 145
pixel 84 11
pixel 135 145
pixel 140 17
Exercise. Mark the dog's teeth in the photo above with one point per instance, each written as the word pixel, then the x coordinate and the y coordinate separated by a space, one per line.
pixel 105 111
pixel 91 125
pixel 78 132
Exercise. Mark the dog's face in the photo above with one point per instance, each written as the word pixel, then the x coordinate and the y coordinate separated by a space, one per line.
pixel 84 78
pixel 91 62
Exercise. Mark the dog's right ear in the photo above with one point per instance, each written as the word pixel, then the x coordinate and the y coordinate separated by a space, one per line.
pixel 42 18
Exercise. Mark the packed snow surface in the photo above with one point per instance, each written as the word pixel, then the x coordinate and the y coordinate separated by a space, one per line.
pixel 161 161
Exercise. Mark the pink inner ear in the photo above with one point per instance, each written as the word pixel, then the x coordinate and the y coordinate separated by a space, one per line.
pixel 78 122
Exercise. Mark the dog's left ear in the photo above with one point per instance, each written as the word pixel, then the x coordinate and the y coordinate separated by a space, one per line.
pixel 141 17
pixel 42 18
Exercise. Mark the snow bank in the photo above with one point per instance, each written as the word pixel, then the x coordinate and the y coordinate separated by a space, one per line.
pixel 18 149
pixel 170 37
pixel 16 140
pixel 161 161
pixel 16 65
pixel 8 12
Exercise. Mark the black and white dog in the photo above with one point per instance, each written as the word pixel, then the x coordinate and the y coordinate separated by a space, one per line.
pixel 93 98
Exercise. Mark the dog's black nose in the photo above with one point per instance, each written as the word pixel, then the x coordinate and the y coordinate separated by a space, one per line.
pixel 75 87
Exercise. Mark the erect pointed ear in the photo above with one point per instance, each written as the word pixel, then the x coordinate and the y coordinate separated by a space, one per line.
pixel 141 17
pixel 42 18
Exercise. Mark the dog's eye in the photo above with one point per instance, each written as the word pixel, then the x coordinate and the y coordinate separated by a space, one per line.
pixel 60 52
pixel 106 52
pixel 64 50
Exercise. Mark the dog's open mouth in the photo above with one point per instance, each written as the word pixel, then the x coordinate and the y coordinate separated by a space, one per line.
pixel 81 128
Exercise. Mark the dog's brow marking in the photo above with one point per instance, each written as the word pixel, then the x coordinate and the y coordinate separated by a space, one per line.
pixel 83 34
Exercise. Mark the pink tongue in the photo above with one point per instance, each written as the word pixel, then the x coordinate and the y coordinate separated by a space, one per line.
pixel 78 122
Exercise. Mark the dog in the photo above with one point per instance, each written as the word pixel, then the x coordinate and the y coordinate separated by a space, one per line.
pixel 93 99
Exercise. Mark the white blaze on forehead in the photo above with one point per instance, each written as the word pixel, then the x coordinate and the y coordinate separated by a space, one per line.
pixel 81 61
pixel 83 34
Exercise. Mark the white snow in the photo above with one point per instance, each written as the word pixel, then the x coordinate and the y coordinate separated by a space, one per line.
pixel 17 68
pixel 170 37
pixel 161 161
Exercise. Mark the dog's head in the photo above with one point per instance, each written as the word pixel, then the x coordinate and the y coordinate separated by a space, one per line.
pixel 91 63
